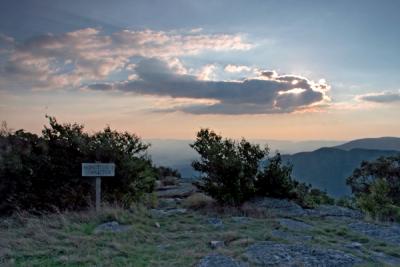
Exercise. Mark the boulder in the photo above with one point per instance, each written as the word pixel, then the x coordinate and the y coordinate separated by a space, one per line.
pixel 387 233
pixel 268 253
pixel 279 207
pixel 334 211
pixel 181 191
pixel 217 260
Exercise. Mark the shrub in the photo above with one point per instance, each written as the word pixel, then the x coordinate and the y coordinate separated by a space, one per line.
pixel 275 180
pixel 386 168
pixel 229 168
pixel 377 204
pixel 163 172
pixel 320 197
pixel 376 186
pixel 197 201
pixel 44 172
pixel 231 173
pixel 347 202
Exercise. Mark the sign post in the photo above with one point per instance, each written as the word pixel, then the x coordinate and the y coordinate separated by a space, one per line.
pixel 98 170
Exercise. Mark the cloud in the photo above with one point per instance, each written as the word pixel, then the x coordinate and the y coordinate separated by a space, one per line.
pixel 69 59
pixel 380 97
pixel 259 95
pixel 237 68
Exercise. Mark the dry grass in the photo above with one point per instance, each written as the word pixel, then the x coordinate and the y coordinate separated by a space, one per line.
pixel 198 201
pixel 68 239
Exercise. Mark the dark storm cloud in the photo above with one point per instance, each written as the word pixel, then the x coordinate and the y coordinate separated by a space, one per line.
pixel 262 95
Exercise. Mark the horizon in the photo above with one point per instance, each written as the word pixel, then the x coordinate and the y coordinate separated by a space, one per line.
pixel 269 70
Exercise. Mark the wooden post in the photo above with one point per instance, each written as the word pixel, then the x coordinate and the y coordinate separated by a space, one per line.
pixel 98 193
pixel 98 170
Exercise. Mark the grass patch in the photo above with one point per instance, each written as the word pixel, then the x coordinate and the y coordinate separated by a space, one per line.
pixel 68 239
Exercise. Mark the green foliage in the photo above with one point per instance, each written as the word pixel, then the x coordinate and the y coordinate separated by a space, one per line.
pixel 229 168
pixel 347 202
pixel 317 197
pixel 44 172
pixel 307 196
pixel 376 186
pixel 232 174
pixel 377 203
pixel 276 179
pixel 163 172
pixel 387 168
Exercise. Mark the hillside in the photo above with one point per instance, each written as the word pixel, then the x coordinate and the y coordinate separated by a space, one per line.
pixel 327 168
pixel 381 143
pixel 264 232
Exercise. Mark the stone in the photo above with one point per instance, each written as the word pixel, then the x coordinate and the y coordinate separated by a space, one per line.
pixel 385 259
pixel 157 224
pixel 217 260
pixel 387 233
pixel 216 222
pixel 214 244
pixel 334 211
pixel 111 227
pixel 279 207
pixel 354 245
pixel 269 253
pixel 181 191
pixel 294 225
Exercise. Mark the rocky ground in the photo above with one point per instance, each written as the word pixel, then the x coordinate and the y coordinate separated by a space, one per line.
pixel 324 236
pixel 266 232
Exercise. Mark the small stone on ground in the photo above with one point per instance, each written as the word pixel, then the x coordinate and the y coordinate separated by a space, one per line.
pixel 274 254
pixel 217 260
pixel 111 227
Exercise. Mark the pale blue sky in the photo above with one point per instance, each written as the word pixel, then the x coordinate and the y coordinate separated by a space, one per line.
pixel 353 45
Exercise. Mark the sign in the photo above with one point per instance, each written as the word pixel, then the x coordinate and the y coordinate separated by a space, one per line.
pixel 98 169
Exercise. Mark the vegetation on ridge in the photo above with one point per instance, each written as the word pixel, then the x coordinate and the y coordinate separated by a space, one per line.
pixel 232 172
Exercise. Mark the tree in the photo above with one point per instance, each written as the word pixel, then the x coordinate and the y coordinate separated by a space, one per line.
pixel 376 186
pixel 229 168
pixel 44 172
pixel 384 168
pixel 276 179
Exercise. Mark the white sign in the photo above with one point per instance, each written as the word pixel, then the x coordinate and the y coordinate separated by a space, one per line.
pixel 98 169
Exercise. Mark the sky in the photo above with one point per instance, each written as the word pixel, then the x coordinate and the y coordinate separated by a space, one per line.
pixel 283 70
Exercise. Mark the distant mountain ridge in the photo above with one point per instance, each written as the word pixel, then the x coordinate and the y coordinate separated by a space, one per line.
pixel 327 168
pixel 380 143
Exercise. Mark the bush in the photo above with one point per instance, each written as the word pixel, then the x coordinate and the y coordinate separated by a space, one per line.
pixel 377 204
pixel 168 176
pixel 197 201
pixel 229 168
pixel 376 186
pixel 44 172
pixel 386 168
pixel 276 179
pixel 163 172
pixel 347 202
pixel 232 174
